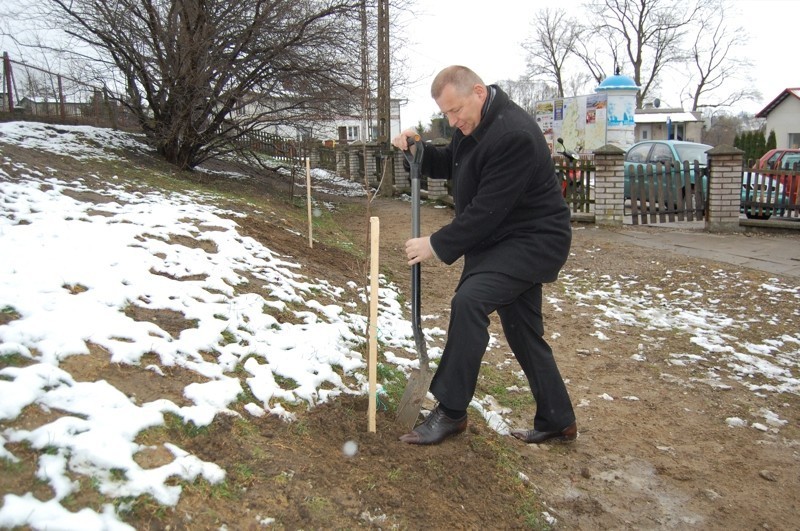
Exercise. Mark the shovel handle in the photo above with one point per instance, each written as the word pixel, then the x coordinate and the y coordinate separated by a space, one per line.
pixel 411 158
pixel 415 162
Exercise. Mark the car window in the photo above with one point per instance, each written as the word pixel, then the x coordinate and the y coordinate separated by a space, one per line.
pixel 693 152
pixel 789 161
pixel 771 161
pixel 638 154
pixel 661 153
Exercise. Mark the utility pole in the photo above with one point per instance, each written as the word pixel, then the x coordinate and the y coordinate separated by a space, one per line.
pixel 366 107
pixel 384 103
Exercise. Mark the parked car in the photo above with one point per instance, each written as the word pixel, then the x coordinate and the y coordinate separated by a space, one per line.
pixel 773 159
pixel 783 160
pixel 767 192
pixel 668 152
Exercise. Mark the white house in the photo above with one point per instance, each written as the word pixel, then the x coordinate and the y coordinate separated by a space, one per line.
pixel 654 123
pixel 783 117
pixel 349 126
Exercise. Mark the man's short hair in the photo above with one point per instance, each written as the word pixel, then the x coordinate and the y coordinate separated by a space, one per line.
pixel 460 77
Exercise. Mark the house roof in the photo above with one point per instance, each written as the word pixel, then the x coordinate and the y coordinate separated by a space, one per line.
pixel 795 92
pixel 661 117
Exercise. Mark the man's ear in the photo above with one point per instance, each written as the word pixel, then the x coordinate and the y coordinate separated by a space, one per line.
pixel 480 91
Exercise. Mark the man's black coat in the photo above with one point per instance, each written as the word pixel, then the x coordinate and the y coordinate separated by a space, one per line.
pixel 510 215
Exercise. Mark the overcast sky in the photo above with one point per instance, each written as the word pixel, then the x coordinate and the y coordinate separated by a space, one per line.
pixel 487 36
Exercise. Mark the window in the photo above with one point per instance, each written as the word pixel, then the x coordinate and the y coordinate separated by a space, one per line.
pixel 788 161
pixel 353 132
pixel 638 154
pixel 661 153
pixel 794 140
pixel 644 135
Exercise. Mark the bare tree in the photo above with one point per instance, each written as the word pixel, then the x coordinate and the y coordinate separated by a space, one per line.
pixel 526 92
pixel 598 54
pixel 716 62
pixel 722 128
pixel 199 73
pixel 649 32
pixel 554 40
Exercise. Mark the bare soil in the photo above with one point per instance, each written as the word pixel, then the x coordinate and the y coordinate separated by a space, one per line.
pixel 664 460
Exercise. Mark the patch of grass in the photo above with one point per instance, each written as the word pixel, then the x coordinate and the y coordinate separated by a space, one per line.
pixel 395 474
pixel 10 310
pixel 299 428
pixel 318 507
pixel 286 383
pixel 141 508
pixel 247 396
pixel 218 491
pixel 118 474
pixel 394 384
pixel 75 288
pixel 531 511
pixel 509 462
pixel 175 424
pixel 228 337
pixel 496 382
pixel 7 466
pixel 14 359
pixel 243 475
pixel 8 314
pixel 284 478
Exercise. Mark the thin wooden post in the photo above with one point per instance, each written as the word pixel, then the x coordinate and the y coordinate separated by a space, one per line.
pixel 62 106
pixel 374 230
pixel 8 81
pixel 308 203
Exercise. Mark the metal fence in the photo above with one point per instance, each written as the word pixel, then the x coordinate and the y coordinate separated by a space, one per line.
pixel 30 92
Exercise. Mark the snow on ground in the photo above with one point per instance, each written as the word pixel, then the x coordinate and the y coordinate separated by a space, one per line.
pixel 71 269
pixel 771 366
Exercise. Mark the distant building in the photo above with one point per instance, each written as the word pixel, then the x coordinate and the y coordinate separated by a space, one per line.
pixel 783 117
pixel 38 106
pixel 343 126
pixel 654 123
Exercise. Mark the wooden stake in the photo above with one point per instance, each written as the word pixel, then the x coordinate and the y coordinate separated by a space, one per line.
pixel 308 203
pixel 374 229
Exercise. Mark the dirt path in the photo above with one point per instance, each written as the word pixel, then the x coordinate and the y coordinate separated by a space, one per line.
pixel 656 449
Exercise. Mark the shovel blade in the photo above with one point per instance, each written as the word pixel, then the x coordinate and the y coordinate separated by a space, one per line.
pixel 416 389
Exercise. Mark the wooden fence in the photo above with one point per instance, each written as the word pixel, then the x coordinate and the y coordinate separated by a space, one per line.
pixel 667 192
pixel 577 182
pixel 770 193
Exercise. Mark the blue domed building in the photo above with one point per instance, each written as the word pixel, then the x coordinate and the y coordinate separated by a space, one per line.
pixel 620 92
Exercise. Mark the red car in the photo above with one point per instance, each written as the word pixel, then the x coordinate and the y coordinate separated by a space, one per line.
pixel 786 160
pixel 772 158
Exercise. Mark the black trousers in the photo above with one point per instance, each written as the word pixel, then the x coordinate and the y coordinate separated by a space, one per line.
pixel 519 305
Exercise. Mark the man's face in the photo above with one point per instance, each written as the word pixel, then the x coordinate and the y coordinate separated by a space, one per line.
pixel 463 111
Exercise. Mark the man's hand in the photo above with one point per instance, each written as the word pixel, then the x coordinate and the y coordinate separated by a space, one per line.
pixel 401 140
pixel 418 249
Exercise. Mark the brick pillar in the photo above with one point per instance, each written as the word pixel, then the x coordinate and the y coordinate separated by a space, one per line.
pixel 373 150
pixel 724 189
pixel 609 200
pixel 313 153
pixel 343 160
pixel 356 151
pixel 437 189
pixel 402 177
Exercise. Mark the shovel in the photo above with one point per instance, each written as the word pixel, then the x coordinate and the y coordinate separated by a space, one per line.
pixel 420 380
